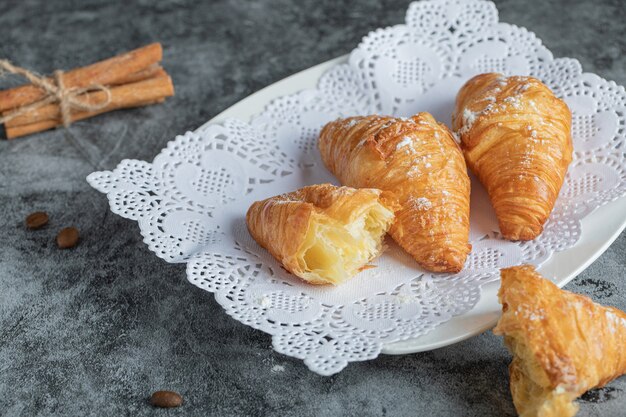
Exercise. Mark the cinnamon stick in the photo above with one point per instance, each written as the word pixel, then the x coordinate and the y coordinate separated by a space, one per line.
pixel 108 72
pixel 152 71
pixel 24 130
pixel 141 93
pixel 53 111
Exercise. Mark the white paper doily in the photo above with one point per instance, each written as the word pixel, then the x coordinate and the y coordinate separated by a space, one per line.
pixel 190 202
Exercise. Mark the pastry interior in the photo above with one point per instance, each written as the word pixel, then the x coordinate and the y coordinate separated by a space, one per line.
pixel 334 250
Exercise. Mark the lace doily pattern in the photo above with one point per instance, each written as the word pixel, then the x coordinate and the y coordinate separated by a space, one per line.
pixel 190 202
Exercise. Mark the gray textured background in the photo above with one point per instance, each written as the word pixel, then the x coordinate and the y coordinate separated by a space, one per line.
pixel 94 330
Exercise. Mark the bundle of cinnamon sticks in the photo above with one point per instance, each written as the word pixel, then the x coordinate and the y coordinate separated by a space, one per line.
pixel 132 79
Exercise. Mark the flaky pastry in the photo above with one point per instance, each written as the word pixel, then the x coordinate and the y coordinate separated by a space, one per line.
pixel 418 160
pixel 322 233
pixel 563 344
pixel 515 135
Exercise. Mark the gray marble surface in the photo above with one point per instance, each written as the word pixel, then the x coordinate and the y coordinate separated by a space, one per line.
pixel 94 330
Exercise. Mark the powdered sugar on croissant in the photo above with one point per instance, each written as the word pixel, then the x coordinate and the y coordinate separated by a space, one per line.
pixel 515 135
pixel 418 160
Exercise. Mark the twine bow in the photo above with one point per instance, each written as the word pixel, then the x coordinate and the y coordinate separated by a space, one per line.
pixel 68 98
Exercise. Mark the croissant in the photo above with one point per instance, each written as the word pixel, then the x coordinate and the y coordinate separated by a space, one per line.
pixel 418 160
pixel 563 344
pixel 515 135
pixel 322 233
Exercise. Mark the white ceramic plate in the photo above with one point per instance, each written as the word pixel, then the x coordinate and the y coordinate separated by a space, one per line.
pixel 190 202
pixel 599 230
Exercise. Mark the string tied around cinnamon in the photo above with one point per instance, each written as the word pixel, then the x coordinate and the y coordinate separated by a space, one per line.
pixel 68 98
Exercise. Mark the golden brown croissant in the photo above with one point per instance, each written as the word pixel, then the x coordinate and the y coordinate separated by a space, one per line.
pixel 515 134
pixel 322 233
pixel 563 344
pixel 418 160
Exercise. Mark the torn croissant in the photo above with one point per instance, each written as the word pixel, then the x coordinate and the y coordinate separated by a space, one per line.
pixel 417 159
pixel 563 344
pixel 322 233
pixel 515 135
